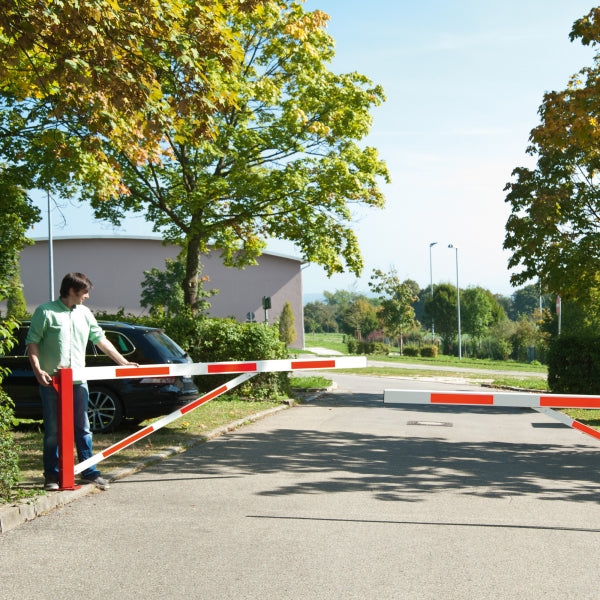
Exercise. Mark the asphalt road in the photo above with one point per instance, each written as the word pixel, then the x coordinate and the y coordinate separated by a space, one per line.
pixel 341 498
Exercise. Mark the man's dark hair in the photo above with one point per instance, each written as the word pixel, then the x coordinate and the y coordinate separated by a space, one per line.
pixel 76 281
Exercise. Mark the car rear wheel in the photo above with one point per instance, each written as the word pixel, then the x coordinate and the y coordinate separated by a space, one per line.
pixel 105 410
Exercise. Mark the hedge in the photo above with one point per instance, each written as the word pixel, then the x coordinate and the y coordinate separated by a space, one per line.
pixel 9 458
pixel 574 365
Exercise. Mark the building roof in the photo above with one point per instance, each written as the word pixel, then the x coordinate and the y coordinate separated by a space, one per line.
pixel 108 236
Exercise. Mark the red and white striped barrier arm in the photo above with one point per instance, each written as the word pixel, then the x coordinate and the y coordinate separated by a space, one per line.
pixel 543 403
pixel 514 399
pixel 216 368
pixel 146 431
pixel 566 420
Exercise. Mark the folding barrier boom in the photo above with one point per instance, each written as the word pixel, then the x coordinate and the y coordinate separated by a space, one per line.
pixel 543 403
pixel 63 383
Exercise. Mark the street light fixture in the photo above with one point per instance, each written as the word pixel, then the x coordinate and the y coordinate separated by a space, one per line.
pixel 458 302
pixel 431 245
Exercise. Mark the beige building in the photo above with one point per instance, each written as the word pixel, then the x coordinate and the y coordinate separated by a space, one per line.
pixel 116 267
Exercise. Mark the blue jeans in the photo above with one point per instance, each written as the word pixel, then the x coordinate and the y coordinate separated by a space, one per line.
pixel 83 434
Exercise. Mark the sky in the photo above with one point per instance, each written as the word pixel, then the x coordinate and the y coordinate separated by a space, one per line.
pixel 464 80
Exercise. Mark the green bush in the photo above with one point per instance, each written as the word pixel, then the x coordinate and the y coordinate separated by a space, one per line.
pixel 223 340
pixel 410 351
pixel 356 347
pixel 378 348
pixel 429 351
pixel 220 340
pixel 574 365
pixel 501 349
pixel 9 457
pixel 217 340
pixel 352 345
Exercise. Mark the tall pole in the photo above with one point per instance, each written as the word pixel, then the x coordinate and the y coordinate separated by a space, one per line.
pixel 458 302
pixel 50 250
pixel 431 245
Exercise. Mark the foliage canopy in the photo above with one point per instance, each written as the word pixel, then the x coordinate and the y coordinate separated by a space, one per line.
pixel 553 229
pixel 218 120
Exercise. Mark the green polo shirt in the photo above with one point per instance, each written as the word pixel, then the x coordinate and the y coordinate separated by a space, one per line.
pixel 62 334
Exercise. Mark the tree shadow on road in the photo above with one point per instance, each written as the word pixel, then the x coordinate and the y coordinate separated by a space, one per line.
pixel 395 468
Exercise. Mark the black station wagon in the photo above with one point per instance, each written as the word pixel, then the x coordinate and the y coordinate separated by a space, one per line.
pixel 114 400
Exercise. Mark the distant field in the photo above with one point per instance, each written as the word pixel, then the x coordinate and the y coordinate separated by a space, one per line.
pixel 335 341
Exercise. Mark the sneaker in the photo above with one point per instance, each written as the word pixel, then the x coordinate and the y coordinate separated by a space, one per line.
pixel 50 484
pixel 99 482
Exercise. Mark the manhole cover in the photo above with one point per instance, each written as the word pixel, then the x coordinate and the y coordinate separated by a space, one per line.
pixel 431 423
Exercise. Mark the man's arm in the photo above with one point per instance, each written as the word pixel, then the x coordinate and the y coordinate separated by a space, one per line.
pixel 108 348
pixel 42 377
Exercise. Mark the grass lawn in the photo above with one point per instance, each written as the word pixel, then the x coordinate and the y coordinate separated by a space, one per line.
pixel 335 341
pixel 185 431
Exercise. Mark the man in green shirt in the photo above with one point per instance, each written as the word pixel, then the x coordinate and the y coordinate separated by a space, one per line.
pixel 58 337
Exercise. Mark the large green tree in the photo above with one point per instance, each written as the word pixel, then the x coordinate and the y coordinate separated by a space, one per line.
pixel 77 74
pixel 396 298
pixel 17 215
pixel 480 310
pixel 359 319
pixel 320 317
pixel 443 308
pixel 553 231
pixel 285 160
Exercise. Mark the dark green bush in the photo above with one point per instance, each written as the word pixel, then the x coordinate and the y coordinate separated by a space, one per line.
pixel 377 348
pixel 217 340
pixel 220 340
pixel 352 345
pixel 574 365
pixel 428 351
pixel 9 457
pixel 356 347
pixel 410 351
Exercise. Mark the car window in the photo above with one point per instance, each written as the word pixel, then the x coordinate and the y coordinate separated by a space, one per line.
pixel 167 347
pixel 120 341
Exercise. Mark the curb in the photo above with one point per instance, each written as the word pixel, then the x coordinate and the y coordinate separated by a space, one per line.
pixel 14 515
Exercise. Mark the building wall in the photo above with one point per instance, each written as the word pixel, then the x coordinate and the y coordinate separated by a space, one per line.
pixel 116 268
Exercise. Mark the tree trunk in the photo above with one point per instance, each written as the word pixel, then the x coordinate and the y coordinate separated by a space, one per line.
pixel 192 267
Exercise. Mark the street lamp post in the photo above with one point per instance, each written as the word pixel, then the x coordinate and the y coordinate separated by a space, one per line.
pixel 458 302
pixel 431 245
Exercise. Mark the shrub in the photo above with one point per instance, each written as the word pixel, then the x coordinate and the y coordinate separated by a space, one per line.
pixel 287 331
pixel 9 458
pixel 378 348
pixel 501 349
pixel 574 365
pixel 216 340
pixel 356 347
pixel 410 351
pixel 429 351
